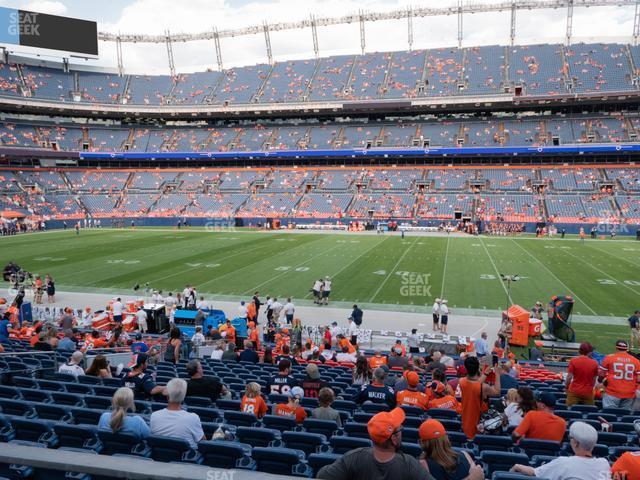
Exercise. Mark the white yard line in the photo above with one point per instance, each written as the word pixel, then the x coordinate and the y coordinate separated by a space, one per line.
pixel 444 270
pixel 391 272
pixel 496 270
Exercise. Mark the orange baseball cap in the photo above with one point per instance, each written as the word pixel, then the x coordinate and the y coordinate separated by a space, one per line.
pixel 437 386
pixel 383 424
pixel 413 379
pixel 431 429
pixel 251 324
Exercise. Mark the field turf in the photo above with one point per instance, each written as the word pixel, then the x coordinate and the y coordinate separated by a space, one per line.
pixel 602 275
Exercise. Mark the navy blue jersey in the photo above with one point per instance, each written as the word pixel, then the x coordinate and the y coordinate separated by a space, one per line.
pixel 281 384
pixel 377 394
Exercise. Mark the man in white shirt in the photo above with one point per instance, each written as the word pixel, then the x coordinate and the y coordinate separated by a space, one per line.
pixel 117 310
pixel 269 309
pixel 202 304
pixel 345 357
pixel 141 320
pixel 317 289
pixel 72 367
pixel 175 422
pixel 243 311
pixel 482 346
pixel 353 332
pixel 335 331
pixel 169 302
pixel 289 310
pixel 436 315
pixel 185 295
pixel 198 337
pixel 276 306
pixel 326 290
pixel 444 316
pixel 582 438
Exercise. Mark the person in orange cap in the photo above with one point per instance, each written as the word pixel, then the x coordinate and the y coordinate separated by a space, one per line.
pixel 441 399
pixel 384 460
pixel 440 459
pixel 411 396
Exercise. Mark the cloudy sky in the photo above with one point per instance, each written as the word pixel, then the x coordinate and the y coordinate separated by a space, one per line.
pixel 155 16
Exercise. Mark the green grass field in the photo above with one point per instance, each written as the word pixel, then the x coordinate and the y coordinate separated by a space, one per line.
pixel 602 275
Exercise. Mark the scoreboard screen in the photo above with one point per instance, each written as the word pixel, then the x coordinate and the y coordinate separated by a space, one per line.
pixel 51 32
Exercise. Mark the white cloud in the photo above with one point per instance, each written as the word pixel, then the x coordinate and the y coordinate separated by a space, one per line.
pixel 155 16
pixel 46 6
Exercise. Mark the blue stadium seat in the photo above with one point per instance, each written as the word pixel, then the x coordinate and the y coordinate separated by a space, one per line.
pixel 611 439
pixel 442 413
pixel 622 427
pixel 584 408
pixel 370 407
pixel 39 431
pixel 318 460
pixel 223 454
pixel 10 393
pixel 344 405
pixel 410 435
pixel 71 399
pixel 122 443
pixel 52 385
pixel 39 396
pixel 240 419
pixel 412 449
pixel 280 461
pixel 78 436
pixel 169 449
pixel 412 411
pixel 204 402
pixel 24 382
pixel 340 444
pixel 17 408
pixel 615 452
pixel 362 417
pixel 6 429
pixel 47 411
pixel 258 437
pixel 86 416
pixel 620 412
pixel 569 414
pixel 457 439
pixel 206 414
pixel 104 391
pixel 233 405
pixel 112 382
pixel 89 380
pixel 325 427
pixel 501 461
pixel 511 476
pixel 356 430
pixel 538 460
pixel 98 403
pixel 539 447
pixel 451 425
pixel 283 424
pixel 609 417
pixel 307 442
pixel 80 388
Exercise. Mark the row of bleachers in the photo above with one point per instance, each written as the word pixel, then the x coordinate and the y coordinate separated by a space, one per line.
pixel 444 205
pixel 96 180
pixel 323 205
pixel 216 205
pixel 398 205
pixel 511 208
pixel 269 205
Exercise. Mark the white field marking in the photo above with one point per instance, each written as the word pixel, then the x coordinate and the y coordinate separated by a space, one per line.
pixel 625 260
pixel 605 274
pixel 284 273
pixel 444 270
pixel 496 270
pixel 333 275
pixel 123 262
pixel 487 276
pixel 380 272
pixel 392 270
pixel 50 259
pixel 555 276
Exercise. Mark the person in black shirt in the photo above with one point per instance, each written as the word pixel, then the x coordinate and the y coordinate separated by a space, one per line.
pixel 286 356
pixel 313 383
pixel 356 315
pixel 377 391
pixel 283 382
pixel 249 354
pixel 200 385
pixel 42 343
pixel 140 382
pixel 258 304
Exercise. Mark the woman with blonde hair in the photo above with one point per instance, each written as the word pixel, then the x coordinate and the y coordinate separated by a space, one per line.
pixel 440 460
pixel 117 419
pixel 512 411
pixel 252 402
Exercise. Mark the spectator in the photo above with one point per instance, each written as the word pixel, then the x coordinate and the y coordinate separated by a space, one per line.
pixel 345 357
pixel 286 355
pixel 506 380
pixel 441 399
pixel 377 391
pixel 377 360
pixel 99 367
pixel 362 372
pixel 201 385
pixel 118 420
pixel 117 309
pixel 217 352
pixel 252 401
pixel 67 320
pixel 141 320
pixel 541 424
pixel 172 353
pixel 627 467
pixel 72 367
pixel 43 344
pixel 67 343
pixel 397 358
pixel 581 377
pixel 324 411
pixel 198 338
pixel 536 354
pixel 482 345
pixel 634 324
pixel 173 421
pixel 582 438
pixel 474 393
pixel 243 311
pixel 312 384
pixel 283 382
pixel 292 408
pixel 230 354
pixel 440 460
pixel 296 332
pixel 411 396
pixel 440 376
pixel 267 358
pixel 446 359
pixel 327 353
pixel 353 332
pixel 139 346
pixel 254 335
pixel 5 328
pixel 356 315
pixel 249 354
pixel 384 460
pixel 413 341
pixel 622 372
pixel 289 310
pixel 512 413
pixel 435 363
pixel 141 382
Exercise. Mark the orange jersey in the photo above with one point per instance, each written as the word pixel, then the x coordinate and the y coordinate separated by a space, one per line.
pixel 412 399
pixel 448 401
pixel 627 467
pixel 256 406
pixel 285 410
pixel 253 337
pixel 231 334
pixel 251 310
pixel 375 362
pixel 346 343
pixel 622 374
pixel 472 406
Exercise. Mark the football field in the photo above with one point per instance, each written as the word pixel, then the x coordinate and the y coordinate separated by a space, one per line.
pixel 372 270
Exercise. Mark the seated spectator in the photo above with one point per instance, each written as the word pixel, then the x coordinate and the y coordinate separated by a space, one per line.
pixel 327 353
pixel 441 399
pixel 536 354
pixel 312 384
pixel 541 424
pixel 117 420
pixel 43 344
pixel 249 354
pixel 324 411
pixel 230 354
pixel 139 346
pixel 292 408
pixel 94 340
pixel 217 352
pixel 267 357
pixel 436 363
pixel 512 413
pixel 141 382
pixel 68 343
pixel 345 357
pixel 440 460
pixel 627 467
pixel 377 360
pixel 362 373
pixel 506 379
pixel 99 367
pixel 526 402
pixel 438 375
pixel 173 421
pixel 286 355
pixel 582 438
pixel 252 401
pixel 401 383
pixel 36 335
pixel 384 460
pixel 377 391
pixel 397 358
pixel 283 381
pixel 446 360
pixel 200 385
pixel 72 367
pixel 213 333
pixel 411 396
